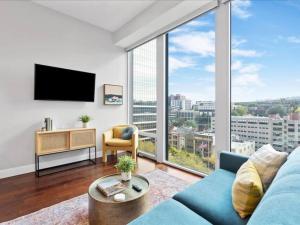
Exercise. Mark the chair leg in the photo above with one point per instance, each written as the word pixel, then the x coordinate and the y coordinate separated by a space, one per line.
pixel 133 153
pixel 104 156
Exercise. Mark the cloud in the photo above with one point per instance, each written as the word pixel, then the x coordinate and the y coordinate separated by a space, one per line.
pixel 236 42
pixel 210 68
pixel 202 43
pixel 172 49
pixel 246 75
pixel 245 53
pixel 250 68
pixel 240 8
pixel 176 64
pixel 236 65
pixel 243 68
pixel 247 80
pixel 197 23
pixel 238 51
pixel 293 39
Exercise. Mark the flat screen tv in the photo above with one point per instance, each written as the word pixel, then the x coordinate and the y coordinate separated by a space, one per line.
pixel 53 83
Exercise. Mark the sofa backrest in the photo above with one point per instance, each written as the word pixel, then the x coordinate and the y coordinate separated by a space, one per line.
pixel 281 202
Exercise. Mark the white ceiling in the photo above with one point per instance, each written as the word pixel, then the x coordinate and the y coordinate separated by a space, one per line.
pixel 110 15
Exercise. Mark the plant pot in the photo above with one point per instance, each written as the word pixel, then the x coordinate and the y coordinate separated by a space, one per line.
pixel 126 176
pixel 85 125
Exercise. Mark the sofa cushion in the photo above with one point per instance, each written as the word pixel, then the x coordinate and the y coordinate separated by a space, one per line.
pixel 247 190
pixel 170 212
pixel 211 198
pixel 281 203
pixel 268 161
pixel 118 142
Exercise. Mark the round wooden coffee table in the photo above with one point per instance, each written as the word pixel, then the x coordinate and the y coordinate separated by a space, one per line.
pixel 106 211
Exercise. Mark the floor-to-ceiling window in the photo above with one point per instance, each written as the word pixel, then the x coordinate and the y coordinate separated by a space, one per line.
pixel 144 95
pixel 265 75
pixel 191 94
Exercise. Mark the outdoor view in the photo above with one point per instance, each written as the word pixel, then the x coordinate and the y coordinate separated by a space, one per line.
pixel 265 75
pixel 144 95
pixel 191 94
pixel 265 84
pixel 265 81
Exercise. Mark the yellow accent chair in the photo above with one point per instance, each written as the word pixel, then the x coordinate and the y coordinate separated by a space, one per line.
pixel 113 142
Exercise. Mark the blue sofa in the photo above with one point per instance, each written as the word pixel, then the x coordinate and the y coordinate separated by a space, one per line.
pixel 209 200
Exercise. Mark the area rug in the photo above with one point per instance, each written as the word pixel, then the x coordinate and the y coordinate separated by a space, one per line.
pixel 75 211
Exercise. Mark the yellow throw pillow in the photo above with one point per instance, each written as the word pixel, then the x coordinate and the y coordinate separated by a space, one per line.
pixel 247 190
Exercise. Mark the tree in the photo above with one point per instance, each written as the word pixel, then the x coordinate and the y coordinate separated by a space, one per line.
pixel 294 108
pixel 190 123
pixel 178 122
pixel 277 109
pixel 240 111
pixel 147 146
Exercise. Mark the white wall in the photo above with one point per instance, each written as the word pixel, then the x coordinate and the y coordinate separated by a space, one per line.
pixel 32 34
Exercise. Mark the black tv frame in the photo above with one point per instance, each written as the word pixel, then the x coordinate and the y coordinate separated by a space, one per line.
pixel 66 100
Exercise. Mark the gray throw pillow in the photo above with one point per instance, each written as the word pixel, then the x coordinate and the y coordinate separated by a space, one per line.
pixel 267 162
pixel 127 133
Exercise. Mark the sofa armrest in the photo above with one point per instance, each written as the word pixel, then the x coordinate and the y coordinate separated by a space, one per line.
pixel 107 135
pixel 231 161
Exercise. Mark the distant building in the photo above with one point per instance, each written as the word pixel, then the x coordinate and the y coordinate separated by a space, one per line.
pixel 144 116
pixel 179 102
pixel 282 133
pixel 186 114
pixel 177 137
pixel 205 107
pixel 242 147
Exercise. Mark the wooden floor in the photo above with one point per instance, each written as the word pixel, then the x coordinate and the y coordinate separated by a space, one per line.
pixel 26 193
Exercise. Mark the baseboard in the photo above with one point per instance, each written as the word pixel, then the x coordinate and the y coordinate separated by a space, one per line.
pixel 31 167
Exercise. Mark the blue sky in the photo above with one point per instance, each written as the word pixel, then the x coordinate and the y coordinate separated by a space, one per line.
pixel 265 52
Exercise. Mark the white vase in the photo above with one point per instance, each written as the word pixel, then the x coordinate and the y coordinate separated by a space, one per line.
pixel 85 125
pixel 126 176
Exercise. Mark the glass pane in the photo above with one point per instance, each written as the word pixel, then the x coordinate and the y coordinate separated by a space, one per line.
pixel 144 93
pixel 265 75
pixel 191 94
pixel 147 144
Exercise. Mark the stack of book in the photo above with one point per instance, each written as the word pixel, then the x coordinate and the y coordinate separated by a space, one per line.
pixel 111 187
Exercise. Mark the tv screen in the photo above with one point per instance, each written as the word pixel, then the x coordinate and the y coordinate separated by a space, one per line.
pixel 53 83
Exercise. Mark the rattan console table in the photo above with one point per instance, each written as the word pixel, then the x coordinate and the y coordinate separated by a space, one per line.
pixel 58 141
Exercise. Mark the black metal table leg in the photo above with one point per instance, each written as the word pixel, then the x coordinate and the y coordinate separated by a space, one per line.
pixel 95 154
pixel 37 165
pixel 89 153
pixel 37 161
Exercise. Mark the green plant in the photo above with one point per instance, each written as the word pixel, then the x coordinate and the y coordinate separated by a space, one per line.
pixel 125 164
pixel 85 118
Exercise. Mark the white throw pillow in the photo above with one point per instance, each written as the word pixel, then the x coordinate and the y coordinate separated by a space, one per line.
pixel 267 162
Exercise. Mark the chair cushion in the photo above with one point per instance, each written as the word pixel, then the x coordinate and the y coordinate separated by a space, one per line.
pixel 118 142
pixel 170 212
pixel 117 131
pixel 127 133
pixel 247 190
pixel 281 203
pixel 211 198
pixel 267 161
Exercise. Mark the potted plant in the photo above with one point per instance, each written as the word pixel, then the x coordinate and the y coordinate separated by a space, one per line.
pixel 126 165
pixel 85 119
